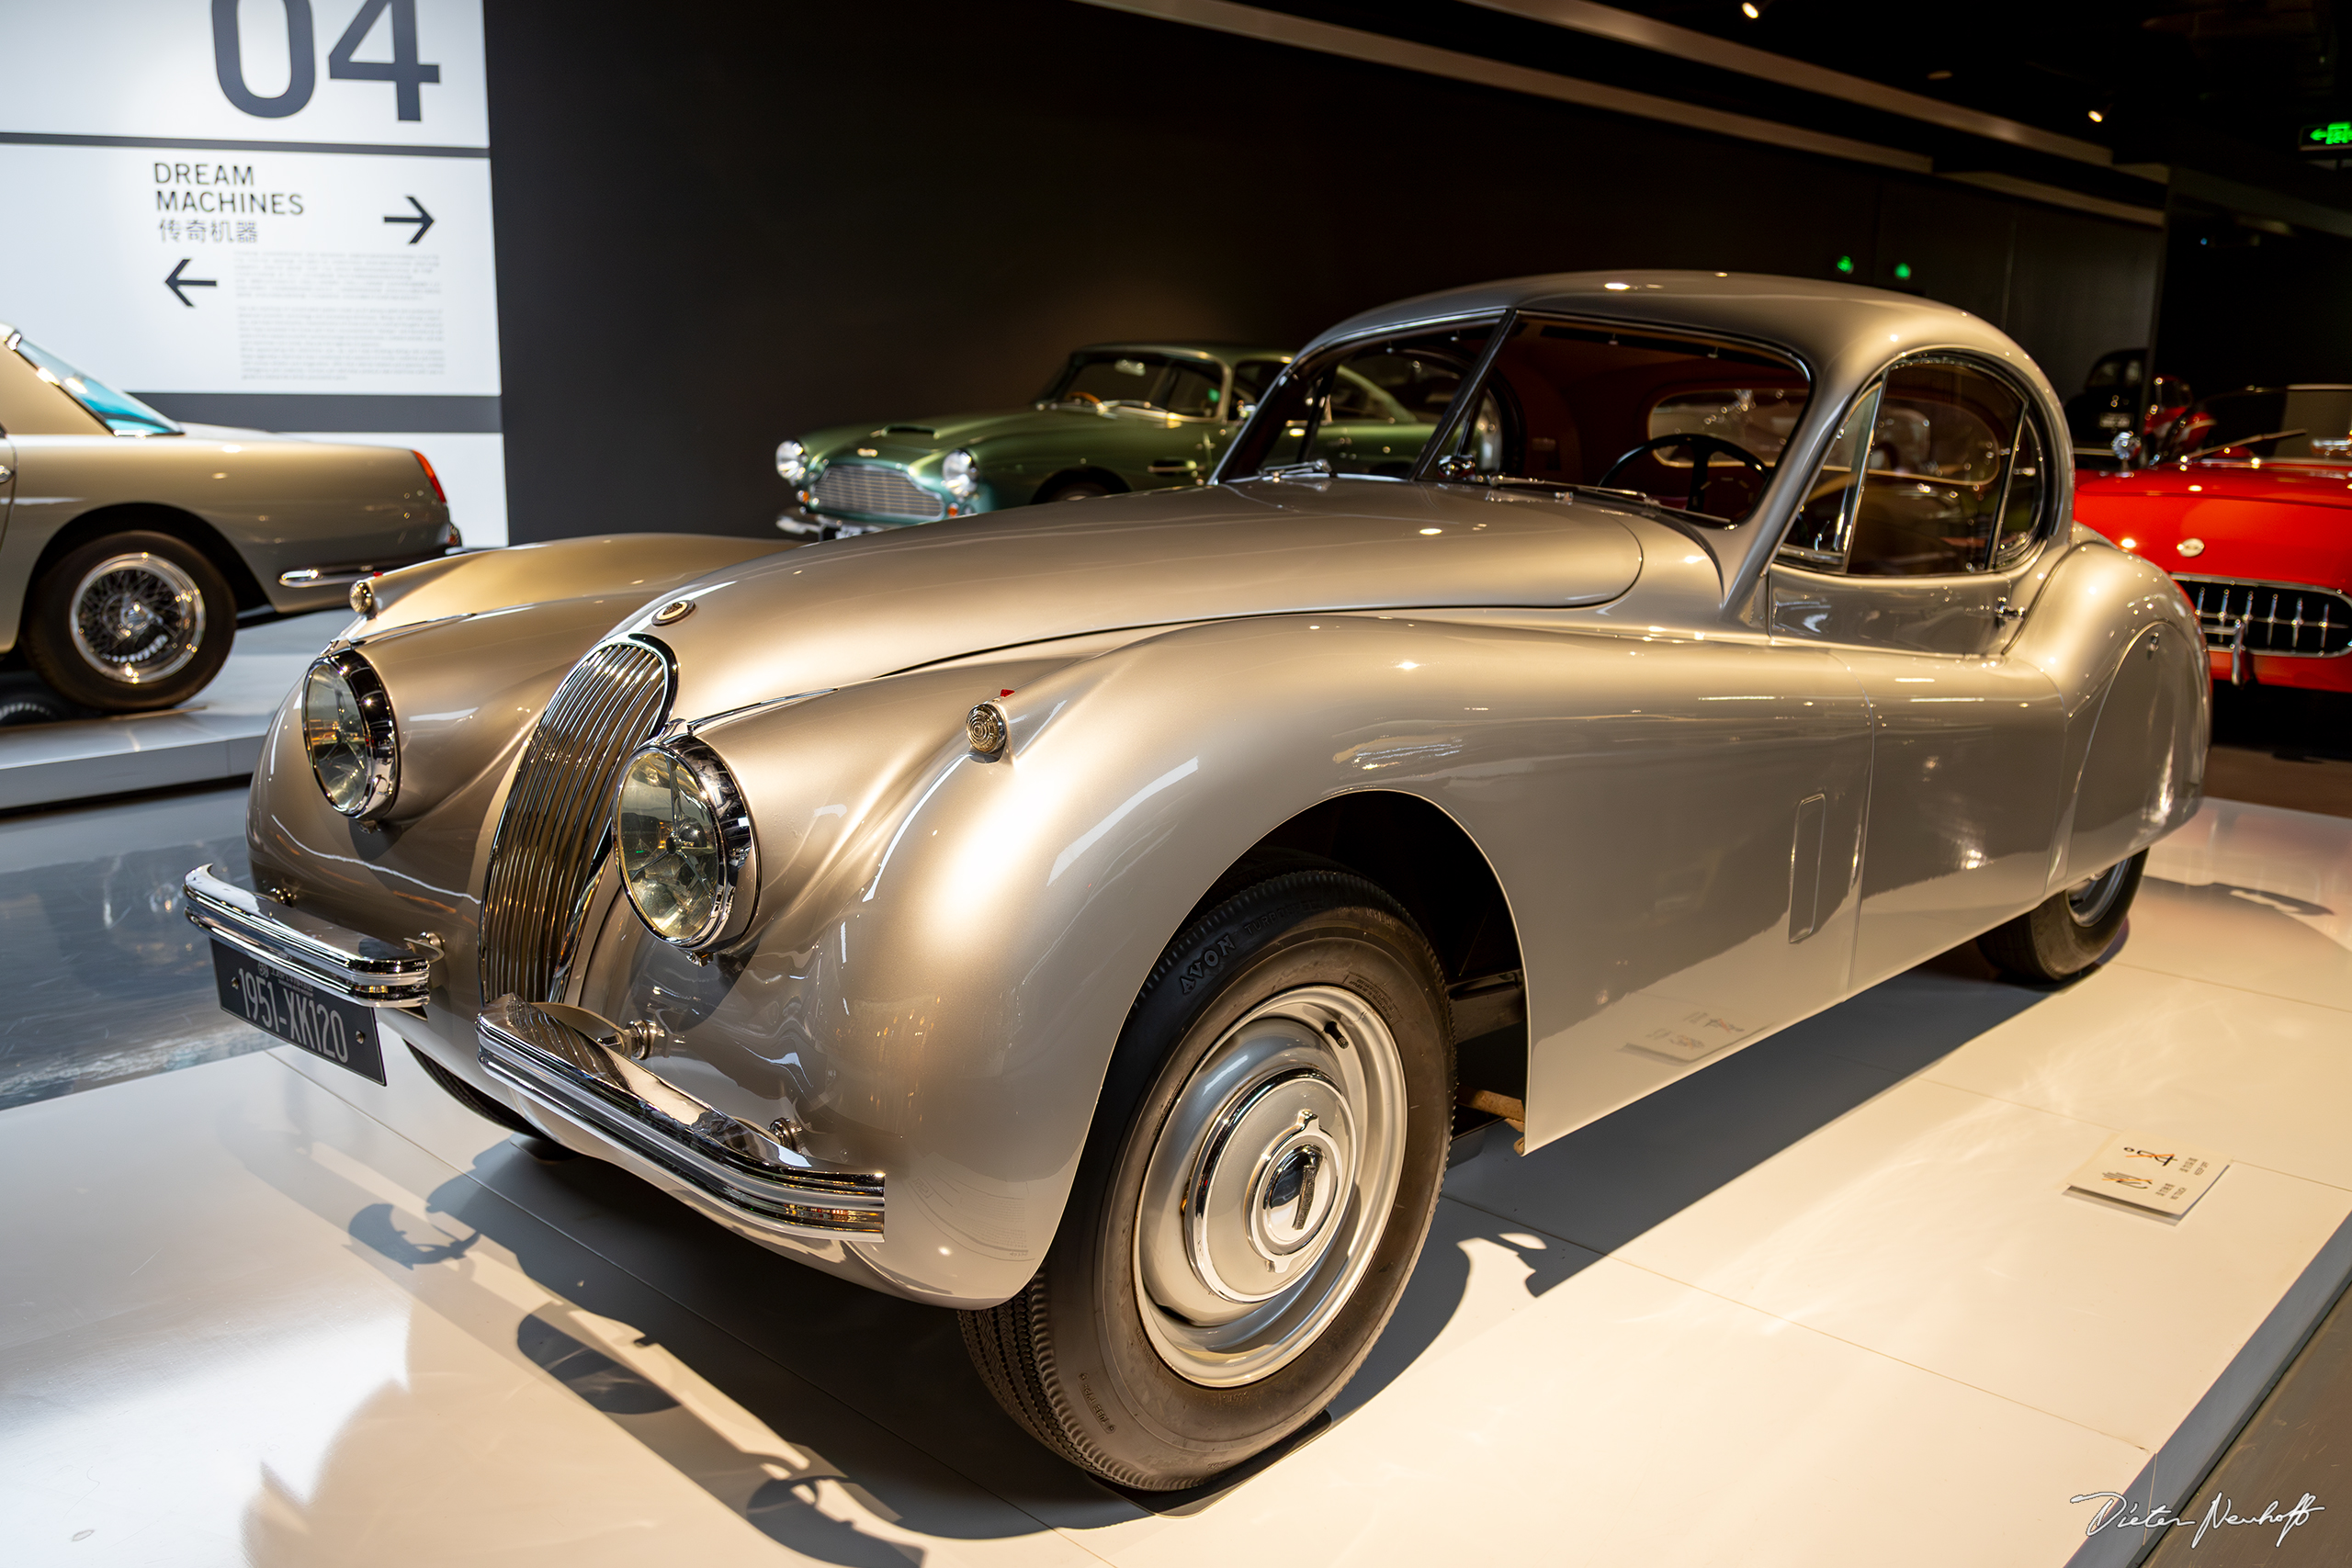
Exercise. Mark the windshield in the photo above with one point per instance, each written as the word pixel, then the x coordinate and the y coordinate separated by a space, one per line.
pixel 1689 422
pixel 2263 422
pixel 119 412
pixel 1366 410
pixel 1117 378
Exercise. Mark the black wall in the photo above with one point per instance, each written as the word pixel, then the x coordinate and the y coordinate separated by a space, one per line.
pixel 720 225
pixel 2244 307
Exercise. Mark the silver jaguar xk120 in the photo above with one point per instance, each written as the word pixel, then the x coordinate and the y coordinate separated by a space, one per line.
pixel 1070 915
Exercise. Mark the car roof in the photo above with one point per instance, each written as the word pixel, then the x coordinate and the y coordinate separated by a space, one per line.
pixel 1843 332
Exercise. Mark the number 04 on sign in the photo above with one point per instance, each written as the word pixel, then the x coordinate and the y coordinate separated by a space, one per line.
pixel 2150 1173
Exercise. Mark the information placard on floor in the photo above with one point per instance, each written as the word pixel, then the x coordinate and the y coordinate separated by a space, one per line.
pixel 2150 1173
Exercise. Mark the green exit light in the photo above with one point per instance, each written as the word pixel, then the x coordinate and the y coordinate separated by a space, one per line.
pixel 1902 270
pixel 2335 134
pixel 1845 264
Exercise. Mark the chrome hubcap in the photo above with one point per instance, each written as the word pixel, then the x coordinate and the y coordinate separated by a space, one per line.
pixel 2088 902
pixel 1268 1184
pixel 137 619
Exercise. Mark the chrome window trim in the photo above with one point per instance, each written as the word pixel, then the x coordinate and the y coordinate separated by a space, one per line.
pixel 2029 409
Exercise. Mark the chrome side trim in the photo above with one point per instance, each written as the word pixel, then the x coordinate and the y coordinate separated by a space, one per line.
pixel 760 1181
pixel 348 963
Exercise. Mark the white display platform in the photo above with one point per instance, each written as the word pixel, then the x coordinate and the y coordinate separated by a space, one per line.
pixel 1826 1304
pixel 216 736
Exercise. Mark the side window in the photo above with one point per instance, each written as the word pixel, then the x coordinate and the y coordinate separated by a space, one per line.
pixel 1933 479
pixel 1826 517
pixel 2021 511
pixel 1251 378
pixel 1192 390
pixel 1369 409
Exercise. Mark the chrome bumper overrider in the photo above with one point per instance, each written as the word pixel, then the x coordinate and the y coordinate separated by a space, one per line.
pixel 346 964
pixel 759 1181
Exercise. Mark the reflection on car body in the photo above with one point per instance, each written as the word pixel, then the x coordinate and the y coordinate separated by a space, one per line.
pixel 1068 918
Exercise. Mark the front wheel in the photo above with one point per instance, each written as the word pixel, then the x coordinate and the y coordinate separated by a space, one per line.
pixel 2064 935
pixel 1263 1165
pixel 130 622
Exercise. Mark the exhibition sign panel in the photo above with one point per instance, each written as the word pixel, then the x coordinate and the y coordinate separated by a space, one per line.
pixel 274 213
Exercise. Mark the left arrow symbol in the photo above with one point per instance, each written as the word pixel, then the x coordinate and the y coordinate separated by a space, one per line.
pixel 179 283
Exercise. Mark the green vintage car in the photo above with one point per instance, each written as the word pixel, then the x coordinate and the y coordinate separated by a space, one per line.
pixel 1118 416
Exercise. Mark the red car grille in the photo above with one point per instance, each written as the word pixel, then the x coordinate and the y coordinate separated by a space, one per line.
pixel 2279 617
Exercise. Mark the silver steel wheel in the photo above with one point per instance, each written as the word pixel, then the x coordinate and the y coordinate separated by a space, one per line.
pixel 137 619
pixel 2088 902
pixel 1268 1186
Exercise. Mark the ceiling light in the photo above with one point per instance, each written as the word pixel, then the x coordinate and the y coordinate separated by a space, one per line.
pixel 1750 9
pixel 2098 118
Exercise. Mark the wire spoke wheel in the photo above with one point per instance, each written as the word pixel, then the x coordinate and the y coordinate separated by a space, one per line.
pixel 137 619
pixel 1268 1185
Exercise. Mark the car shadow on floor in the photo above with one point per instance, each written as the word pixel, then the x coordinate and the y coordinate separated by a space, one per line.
pixel 903 1365
pixel 1568 1203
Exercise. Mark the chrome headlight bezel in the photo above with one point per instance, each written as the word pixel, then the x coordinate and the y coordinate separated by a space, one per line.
pixel 377 744
pixel 792 461
pixel 960 472
pixel 735 881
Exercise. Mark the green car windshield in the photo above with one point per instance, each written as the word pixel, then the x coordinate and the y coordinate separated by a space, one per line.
pixel 119 412
pixel 1138 380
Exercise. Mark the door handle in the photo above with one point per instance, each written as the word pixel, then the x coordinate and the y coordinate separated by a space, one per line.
pixel 1171 466
pixel 2005 611
pixel 7 473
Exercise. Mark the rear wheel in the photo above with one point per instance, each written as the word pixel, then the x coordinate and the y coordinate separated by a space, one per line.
pixel 130 622
pixel 1262 1173
pixel 2065 934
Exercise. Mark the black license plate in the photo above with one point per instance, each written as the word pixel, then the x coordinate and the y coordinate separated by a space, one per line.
pixel 298 1012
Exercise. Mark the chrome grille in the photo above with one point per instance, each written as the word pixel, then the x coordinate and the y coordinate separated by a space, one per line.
pixel 871 491
pixel 2280 618
pixel 559 815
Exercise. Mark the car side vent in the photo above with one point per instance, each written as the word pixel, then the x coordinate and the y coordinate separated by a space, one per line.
pixel 2279 618
pixel 559 819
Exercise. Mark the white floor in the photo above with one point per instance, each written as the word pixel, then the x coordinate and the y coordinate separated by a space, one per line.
pixel 216 734
pixel 1826 1304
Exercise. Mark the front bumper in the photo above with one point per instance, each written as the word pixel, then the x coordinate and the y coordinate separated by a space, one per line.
pixel 754 1181
pixel 342 963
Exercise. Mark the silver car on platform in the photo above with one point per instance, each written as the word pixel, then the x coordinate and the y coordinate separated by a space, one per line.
pixel 130 542
pixel 1094 918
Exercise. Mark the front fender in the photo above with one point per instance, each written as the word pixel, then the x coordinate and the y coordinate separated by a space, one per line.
pixel 947 946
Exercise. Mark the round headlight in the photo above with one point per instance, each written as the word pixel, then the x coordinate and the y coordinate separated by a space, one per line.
pixel 792 461
pixel 685 844
pixel 348 731
pixel 961 471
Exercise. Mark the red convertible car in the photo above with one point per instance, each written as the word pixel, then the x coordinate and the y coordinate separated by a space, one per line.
pixel 2248 505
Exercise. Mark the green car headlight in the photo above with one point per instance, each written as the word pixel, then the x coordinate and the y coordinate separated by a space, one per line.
pixel 961 473
pixel 685 844
pixel 792 461
pixel 349 734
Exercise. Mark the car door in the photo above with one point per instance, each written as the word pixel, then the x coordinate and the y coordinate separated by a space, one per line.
pixel 1912 559
pixel 1177 440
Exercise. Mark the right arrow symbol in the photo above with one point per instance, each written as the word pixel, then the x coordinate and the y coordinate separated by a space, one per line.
pixel 179 285
pixel 422 220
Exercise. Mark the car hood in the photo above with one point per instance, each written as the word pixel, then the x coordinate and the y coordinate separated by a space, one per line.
pixel 826 615
pixel 907 441
pixel 2267 524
